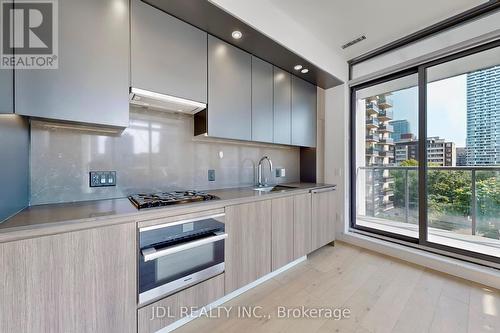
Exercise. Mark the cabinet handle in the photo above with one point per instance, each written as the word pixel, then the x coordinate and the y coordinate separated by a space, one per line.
pixel 322 190
pixel 152 253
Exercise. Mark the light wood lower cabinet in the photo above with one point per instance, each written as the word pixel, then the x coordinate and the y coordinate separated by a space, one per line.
pixel 323 217
pixel 301 225
pixel 164 312
pixel 282 231
pixel 248 247
pixel 83 281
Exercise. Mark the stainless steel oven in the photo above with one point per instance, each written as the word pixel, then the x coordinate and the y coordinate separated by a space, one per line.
pixel 175 255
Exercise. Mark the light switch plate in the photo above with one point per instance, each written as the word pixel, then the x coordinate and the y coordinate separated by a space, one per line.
pixel 102 178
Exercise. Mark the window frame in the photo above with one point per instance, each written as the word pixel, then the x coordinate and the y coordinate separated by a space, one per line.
pixel 422 241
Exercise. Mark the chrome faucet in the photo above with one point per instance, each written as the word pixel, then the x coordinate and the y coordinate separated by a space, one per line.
pixel 259 170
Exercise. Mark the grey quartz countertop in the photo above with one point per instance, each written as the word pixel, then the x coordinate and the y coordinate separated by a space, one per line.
pixel 43 220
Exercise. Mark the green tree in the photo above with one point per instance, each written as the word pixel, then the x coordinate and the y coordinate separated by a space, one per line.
pixel 399 184
pixel 450 195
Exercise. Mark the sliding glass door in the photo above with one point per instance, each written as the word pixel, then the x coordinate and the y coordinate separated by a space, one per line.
pixel 431 135
pixel 386 132
pixel 463 152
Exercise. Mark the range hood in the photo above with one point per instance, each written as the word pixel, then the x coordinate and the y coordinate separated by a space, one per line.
pixel 163 102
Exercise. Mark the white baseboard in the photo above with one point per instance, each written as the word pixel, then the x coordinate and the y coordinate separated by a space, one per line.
pixel 463 269
pixel 228 297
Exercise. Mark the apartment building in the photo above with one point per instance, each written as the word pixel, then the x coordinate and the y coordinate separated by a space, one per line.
pixel 461 156
pixel 401 127
pixel 379 152
pixel 440 152
pixel 483 117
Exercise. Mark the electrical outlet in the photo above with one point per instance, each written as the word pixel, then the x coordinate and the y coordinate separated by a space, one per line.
pixel 280 172
pixel 102 178
pixel 211 175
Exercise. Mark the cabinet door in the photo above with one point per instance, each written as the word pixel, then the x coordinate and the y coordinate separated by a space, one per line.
pixel 168 56
pixel 82 281
pixel 177 304
pixel 6 91
pixel 248 246
pixel 229 91
pixel 262 101
pixel 302 225
pixel 282 107
pixel 282 232
pixel 303 113
pixel 323 217
pixel 92 81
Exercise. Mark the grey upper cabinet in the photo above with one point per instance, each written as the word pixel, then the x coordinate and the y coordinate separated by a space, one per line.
pixel 92 81
pixel 168 56
pixel 6 91
pixel 303 113
pixel 262 101
pixel 282 106
pixel 229 91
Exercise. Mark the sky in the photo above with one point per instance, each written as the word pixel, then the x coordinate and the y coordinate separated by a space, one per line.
pixel 446 108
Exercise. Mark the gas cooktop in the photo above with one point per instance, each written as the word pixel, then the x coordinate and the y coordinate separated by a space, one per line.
pixel 160 199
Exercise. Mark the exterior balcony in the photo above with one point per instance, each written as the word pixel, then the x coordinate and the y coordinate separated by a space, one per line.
pixel 372 108
pixel 385 103
pixel 372 152
pixel 386 141
pixel 386 128
pixel 389 180
pixel 388 206
pixel 372 138
pixel 388 192
pixel 385 115
pixel 386 153
pixel 372 123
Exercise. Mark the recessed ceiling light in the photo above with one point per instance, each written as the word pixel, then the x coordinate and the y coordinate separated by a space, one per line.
pixel 304 71
pixel 237 34
pixel 298 67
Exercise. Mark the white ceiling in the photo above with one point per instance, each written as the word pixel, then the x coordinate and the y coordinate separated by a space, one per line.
pixel 336 22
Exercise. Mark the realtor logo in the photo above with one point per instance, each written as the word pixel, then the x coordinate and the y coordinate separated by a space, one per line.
pixel 29 38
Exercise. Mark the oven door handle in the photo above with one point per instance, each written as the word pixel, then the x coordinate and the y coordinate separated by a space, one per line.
pixel 151 253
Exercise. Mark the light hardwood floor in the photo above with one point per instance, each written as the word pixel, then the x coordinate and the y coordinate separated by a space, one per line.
pixel 383 294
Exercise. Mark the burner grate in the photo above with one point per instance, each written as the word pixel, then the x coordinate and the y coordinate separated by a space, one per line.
pixel 151 200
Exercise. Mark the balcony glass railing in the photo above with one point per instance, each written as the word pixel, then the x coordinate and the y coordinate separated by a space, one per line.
pixel 386 115
pixel 372 123
pixel 385 102
pixel 372 151
pixel 386 153
pixel 372 138
pixel 463 202
pixel 372 108
pixel 386 128
pixel 386 141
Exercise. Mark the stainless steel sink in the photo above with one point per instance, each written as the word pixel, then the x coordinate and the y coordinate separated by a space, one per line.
pixel 277 188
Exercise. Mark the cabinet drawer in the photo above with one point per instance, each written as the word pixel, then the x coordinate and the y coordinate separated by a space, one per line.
pixel 164 312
